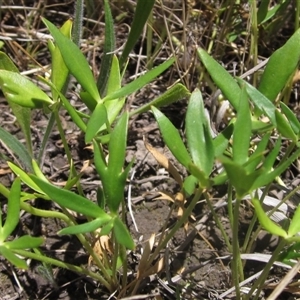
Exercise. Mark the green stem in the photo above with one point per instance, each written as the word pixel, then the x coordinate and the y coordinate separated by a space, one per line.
pixel 218 222
pixel 77 25
pixel 259 283
pixel 64 265
pixel 237 270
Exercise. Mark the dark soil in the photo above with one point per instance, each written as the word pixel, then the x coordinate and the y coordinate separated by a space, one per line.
pixel 199 255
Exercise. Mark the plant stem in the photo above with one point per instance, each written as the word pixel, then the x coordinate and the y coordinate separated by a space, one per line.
pixel 64 265
pixel 77 25
pixel 237 270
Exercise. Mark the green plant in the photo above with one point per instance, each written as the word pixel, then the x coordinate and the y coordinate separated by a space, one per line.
pixel 247 167
pixel 106 124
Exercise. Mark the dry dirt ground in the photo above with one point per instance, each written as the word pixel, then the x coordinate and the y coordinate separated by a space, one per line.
pixel 200 256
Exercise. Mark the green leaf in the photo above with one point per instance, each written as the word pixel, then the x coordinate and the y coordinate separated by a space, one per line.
pixel 59 70
pixel 84 228
pixel 13 211
pixel 262 11
pixel 22 114
pixel 122 234
pixel 12 258
pixel 291 117
pixel 174 94
pixel 260 101
pixel 106 229
pixel 242 130
pixel 16 147
pixel 284 127
pixel 267 178
pixel 199 139
pixel 97 119
pixel 19 90
pixel 221 77
pixel 269 162
pixel 75 61
pixel 238 177
pixel 281 65
pixel 24 177
pixel 257 156
pixel 266 222
pixel 294 227
pixel 172 138
pixel 71 200
pixel 141 13
pixel 24 242
pixel 221 141
pixel 139 82
pixel 113 181
pixel 108 49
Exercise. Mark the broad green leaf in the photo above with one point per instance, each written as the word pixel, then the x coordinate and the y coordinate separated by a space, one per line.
pixel 113 182
pixel 117 145
pixel 266 222
pixel 59 70
pixel 22 114
pixel 172 138
pixel 113 107
pixel 25 242
pixel 83 228
pixel 109 47
pixel 24 177
pixel 281 65
pixel 199 139
pixel 290 115
pixel 140 82
pixel 221 77
pixel 17 148
pixel 122 234
pixel 75 61
pixel 242 130
pixel 13 211
pixel 97 119
pixel 141 13
pixel 12 258
pixel 174 94
pixel 261 102
pixel 294 227
pixel 267 178
pixel 20 90
pixel 284 127
pixel 71 200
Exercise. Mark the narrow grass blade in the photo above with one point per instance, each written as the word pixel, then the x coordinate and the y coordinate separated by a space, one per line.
pixel 109 47
pixel 17 148
pixel 139 82
pixel 291 117
pixel 122 234
pixel 142 11
pixel 174 94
